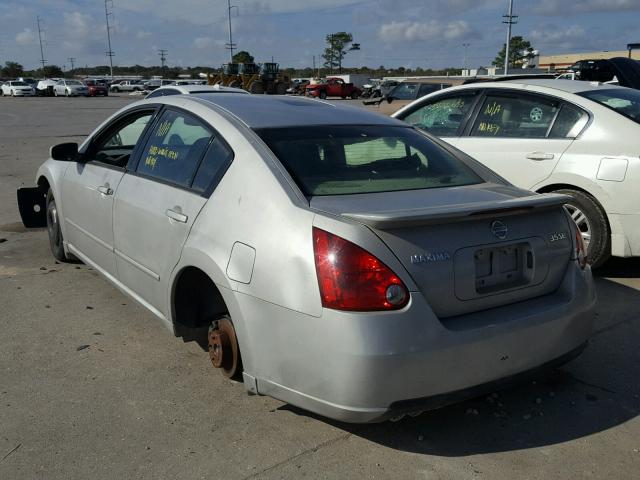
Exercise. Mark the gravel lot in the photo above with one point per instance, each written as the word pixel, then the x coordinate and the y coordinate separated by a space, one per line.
pixel 93 386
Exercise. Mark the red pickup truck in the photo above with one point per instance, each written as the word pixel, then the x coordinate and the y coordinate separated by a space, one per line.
pixel 333 87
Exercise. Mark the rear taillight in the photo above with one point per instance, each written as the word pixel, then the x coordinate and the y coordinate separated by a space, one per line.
pixel 350 278
pixel 581 251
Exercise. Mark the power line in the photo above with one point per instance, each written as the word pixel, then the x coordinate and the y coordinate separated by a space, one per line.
pixel 109 4
pixel 72 61
pixel 42 60
pixel 510 19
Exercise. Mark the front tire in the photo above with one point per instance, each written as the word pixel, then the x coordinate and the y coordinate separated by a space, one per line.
pixel 323 95
pixel 592 223
pixel 56 242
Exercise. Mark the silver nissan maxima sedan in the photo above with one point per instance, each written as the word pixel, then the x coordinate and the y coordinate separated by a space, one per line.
pixel 342 261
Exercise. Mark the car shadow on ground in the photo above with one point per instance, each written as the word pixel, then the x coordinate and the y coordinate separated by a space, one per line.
pixel 593 393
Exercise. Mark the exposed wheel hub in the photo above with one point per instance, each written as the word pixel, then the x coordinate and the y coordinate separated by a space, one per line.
pixel 223 347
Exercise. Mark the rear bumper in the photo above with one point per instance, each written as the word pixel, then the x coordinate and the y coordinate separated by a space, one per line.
pixel 365 368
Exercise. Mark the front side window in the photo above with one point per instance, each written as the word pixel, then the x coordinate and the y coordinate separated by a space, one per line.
pixel 517 117
pixel 625 101
pixel 116 145
pixel 442 117
pixel 338 160
pixel 174 149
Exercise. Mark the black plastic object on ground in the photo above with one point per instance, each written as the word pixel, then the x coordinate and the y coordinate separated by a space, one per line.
pixel 32 206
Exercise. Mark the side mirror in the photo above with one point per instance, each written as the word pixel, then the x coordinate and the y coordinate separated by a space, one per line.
pixel 388 98
pixel 65 152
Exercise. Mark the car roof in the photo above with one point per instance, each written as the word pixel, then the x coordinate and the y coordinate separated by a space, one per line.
pixel 202 88
pixel 275 111
pixel 567 86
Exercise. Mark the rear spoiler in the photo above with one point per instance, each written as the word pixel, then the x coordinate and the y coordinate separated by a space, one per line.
pixel 458 213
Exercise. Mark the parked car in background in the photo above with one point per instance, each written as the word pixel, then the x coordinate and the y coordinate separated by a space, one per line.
pixel 46 86
pixel 407 91
pixel 127 86
pixel 95 88
pixel 70 88
pixel 151 85
pixel 32 82
pixel 192 89
pixel 571 137
pixel 342 261
pixel 332 87
pixel 16 88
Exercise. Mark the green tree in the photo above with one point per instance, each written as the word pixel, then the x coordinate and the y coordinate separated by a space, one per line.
pixel 12 70
pixel 337 44
pixel 243 57
pixel 519 51
pixel 50 71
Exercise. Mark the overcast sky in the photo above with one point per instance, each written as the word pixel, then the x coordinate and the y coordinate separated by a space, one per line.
pixel 410 33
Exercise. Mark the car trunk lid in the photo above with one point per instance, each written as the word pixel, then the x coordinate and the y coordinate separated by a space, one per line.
pixel 468 248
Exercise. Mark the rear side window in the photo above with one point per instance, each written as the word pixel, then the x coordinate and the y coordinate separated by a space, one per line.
pixel 442 117
pixel 569 122
pixel 405 91
pixel 518 117
pixel 174 149
pixel 339 160
pixel 213 166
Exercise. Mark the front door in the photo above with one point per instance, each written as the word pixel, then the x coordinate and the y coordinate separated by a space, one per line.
pixel 157 204
pixel 88 189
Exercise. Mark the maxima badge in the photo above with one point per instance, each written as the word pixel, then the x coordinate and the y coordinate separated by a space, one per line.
pixel 499 229
pixel 431 257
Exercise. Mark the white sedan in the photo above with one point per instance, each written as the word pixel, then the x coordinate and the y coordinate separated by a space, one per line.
pixel 70 88
pixel 571 137
pixel 192 89
pixel 16 89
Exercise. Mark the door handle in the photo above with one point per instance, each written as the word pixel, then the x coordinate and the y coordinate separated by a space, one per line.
pixel 540 156
pixel 177 216
pixel 105 190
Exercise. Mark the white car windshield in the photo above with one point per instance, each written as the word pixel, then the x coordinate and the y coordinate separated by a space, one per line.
pixel 19 84
pixel 624 101
pixel 73 82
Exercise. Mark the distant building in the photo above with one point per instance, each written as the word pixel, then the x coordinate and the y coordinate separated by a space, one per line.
pixel 563 61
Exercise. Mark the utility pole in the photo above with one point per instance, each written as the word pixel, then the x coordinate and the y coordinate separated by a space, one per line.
pixel 72 60
pixel 42 60
pixel 230 46
pixel 163 58
pixel 109 4
pixel 510 19
pixel 465 45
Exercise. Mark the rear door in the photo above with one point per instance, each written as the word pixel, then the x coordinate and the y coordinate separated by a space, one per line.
pixel 512 134
pixel 88 188
pixel 158 201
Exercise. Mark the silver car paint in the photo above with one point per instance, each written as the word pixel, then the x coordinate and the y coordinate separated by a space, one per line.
pixel 346 365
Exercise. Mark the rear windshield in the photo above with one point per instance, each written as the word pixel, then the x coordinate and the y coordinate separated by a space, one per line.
pixel 624 101
pixel 340 160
